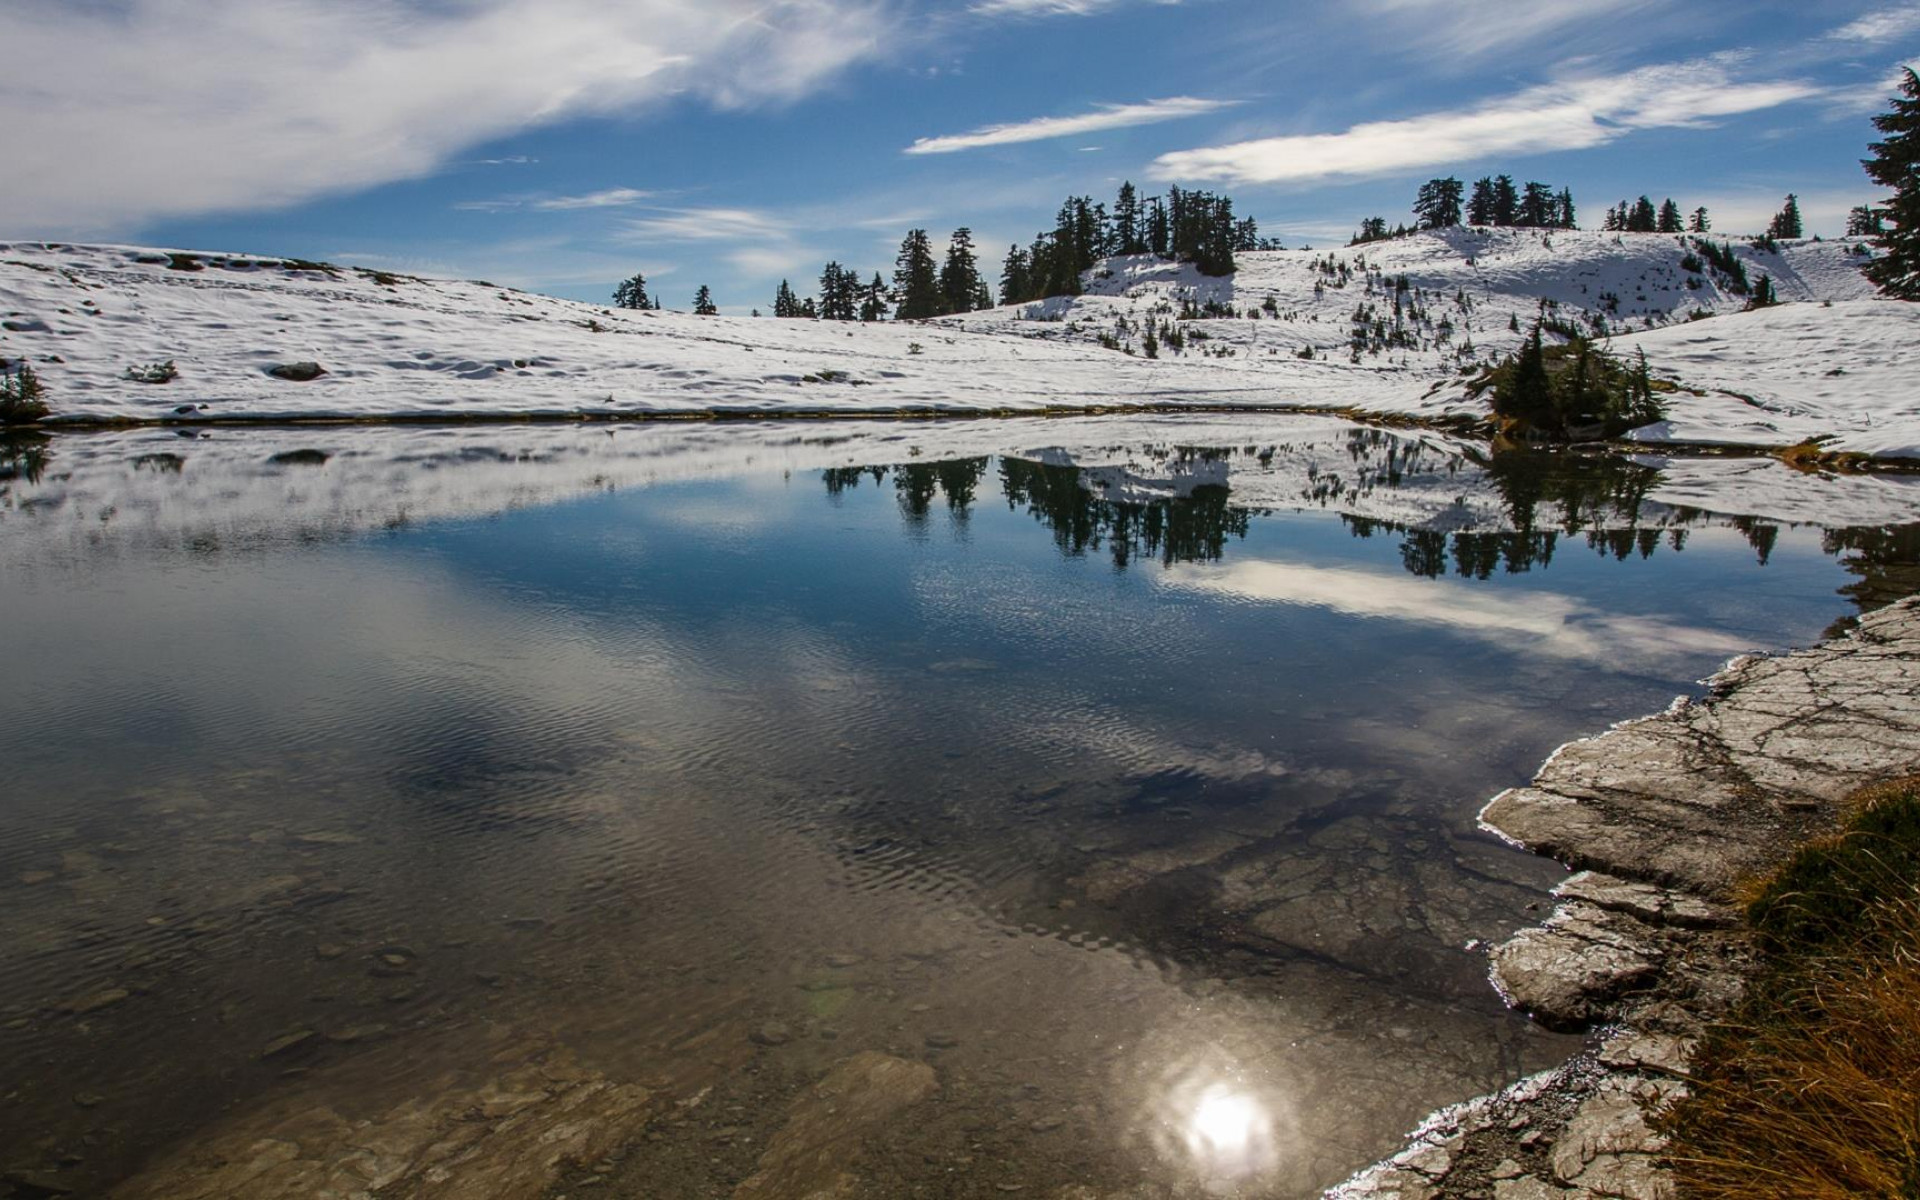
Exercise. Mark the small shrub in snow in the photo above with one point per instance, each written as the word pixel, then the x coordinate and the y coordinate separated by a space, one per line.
pixel 1568 393
pixel 22 399
pixel 160 372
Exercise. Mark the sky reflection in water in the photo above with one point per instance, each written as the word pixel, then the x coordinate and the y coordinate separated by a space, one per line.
pixel 1127 782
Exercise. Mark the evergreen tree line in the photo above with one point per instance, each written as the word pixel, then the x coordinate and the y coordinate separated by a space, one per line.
pixel 1641 216
pixel 1189 226
pixel 1494 200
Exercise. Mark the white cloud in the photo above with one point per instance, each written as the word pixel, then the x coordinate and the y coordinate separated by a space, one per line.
pixel 1107 116
pixel 1473 29
pixel 1050 8
pixel 610 198
pixel 706 225
pixel 1879 26
pixel 1530 621
pixel 125 113
pixel 1571 114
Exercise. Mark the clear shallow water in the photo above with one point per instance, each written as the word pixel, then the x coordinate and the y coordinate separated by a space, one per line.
pixel 1124 774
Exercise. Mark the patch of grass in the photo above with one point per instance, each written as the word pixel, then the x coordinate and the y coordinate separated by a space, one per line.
pixel 1812 1089
pixel 22 398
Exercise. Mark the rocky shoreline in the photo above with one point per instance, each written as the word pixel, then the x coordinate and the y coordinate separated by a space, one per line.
pixel 1662 817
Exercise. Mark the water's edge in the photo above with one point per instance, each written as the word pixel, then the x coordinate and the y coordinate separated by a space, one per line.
pixel 1662 816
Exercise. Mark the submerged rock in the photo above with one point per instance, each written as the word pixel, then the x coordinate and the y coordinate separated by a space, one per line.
pixel 1664 815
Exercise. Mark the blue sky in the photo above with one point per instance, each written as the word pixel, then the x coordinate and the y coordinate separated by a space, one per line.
pixel 560 145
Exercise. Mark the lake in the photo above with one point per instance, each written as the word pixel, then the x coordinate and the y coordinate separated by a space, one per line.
pixel 1060 808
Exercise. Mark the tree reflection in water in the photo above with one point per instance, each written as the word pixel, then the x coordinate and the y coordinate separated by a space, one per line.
pixel 1549 500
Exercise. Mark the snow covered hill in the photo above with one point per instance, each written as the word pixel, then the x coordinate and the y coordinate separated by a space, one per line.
pixel 1392 327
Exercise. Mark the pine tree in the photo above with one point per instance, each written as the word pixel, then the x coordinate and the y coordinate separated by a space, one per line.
pixel 1159 230
pixel 874 303
pixel 1565 215
pixel 1643 218
pixel 915 279
pixel 1506 201
pixel 1537 207
pixel 839 293
pixel 784 303
pixel 1480 205
pixel 1896 164
pixel 1526 393
pixel 1763 294
pixel 632 293
pixel 1438 204
pixel 703 305
pixel 1016 277
pixel 1864 221
pixel 960 275
pixel 1669 219
pixel 1126 221
pixel 1787 223
pixel 1700 221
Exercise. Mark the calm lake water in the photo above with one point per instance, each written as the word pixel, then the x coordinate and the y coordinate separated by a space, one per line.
pixel 1123 774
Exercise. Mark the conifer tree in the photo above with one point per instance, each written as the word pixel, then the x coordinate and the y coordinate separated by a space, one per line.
pixel 1565 215
pixel 1864 221
pixel 1763 294
pixel 839 293
pixel 1016 277
pixel 1438 204
pixel 874 304
pixel 1700 221
pixel 1669 219
pixel 1537 207
pixel 1506 201
pixel 960 275
pixel 784 302
pixel 703 305
pixel 1527 394
pixel 1642 218
pixel 1786 223
pixel 1896 164
pixel 1159 230
pixel 916 280
pixel 1480 205
pixel 632 293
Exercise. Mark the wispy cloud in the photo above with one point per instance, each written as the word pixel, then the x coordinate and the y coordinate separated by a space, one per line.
pixel 1053 8
pixel 1474 29
pixel 106 131
pixel 621 197
pixel 1880 26
pixel 706 225
pixel 1108 116
pixel 1530 621
pixel 1571 114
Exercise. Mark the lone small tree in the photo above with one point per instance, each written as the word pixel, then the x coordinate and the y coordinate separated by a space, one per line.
pixel 1896 164
pixel 1787 223
pixel 703 305
pixel 632 293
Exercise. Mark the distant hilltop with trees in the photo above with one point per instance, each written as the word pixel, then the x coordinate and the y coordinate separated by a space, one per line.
pixel 1201 228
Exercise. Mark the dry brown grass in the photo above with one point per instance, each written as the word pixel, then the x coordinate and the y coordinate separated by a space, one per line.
pixel 1812 1090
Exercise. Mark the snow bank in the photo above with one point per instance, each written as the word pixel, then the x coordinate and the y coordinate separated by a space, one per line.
pixel 1389 328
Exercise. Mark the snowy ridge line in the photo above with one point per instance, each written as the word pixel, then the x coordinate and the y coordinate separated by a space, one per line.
pixel 1388 330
